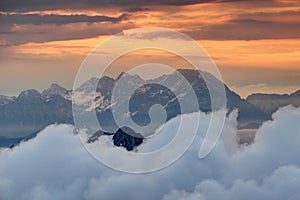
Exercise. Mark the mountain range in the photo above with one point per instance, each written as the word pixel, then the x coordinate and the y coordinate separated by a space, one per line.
pixel 23 116
pixel 269 103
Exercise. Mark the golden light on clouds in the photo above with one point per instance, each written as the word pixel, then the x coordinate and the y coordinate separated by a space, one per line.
pixel 61 48
pixel 252 42
pixel 257 53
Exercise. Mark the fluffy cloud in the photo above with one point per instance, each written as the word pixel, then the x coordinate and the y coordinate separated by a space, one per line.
pixel 54 165
pixel 282 184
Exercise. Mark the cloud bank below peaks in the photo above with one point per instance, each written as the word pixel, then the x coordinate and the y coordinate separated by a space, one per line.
pixel 55 165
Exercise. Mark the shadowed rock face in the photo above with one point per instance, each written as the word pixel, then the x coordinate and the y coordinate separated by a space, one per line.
pixel 127 138
pixel 31 111
pixel 95 136
pixel 124 137
pixel 149 94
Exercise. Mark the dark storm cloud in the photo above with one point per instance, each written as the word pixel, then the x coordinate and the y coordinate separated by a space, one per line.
pixel 52 32
pixel 22 28
pixel 33 5
pixel 249 21
pixel 136 9
pixel 36 19
pixel 247 29
pixel 19 29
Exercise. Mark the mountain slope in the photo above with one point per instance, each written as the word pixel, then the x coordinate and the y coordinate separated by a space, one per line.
pixel 149 93
pixel 269 103
pixel 54 89
pixel 31 111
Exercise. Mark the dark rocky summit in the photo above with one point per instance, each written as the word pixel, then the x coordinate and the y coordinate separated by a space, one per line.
pixel 127 138
pixel 124 137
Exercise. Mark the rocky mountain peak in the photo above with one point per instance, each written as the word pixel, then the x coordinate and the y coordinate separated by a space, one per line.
pixel 296 94
pixel 54 89
pixel 127 138
pixel 29 94
pixel 5 99
pixel 120 75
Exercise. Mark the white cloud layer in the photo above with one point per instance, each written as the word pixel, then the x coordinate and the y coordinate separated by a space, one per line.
pixel 55 165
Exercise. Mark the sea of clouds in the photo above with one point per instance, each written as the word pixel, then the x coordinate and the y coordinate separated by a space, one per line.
pixel 55 165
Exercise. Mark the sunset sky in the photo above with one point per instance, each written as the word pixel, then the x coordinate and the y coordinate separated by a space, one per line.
pixel 255 44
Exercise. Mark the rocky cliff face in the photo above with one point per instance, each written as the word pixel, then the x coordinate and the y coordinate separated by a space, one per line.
pixel 123 137
pixel 31 111
pixel 127 138
pixel 149 94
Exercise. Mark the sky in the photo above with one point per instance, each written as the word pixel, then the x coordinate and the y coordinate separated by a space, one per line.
pixel 255 44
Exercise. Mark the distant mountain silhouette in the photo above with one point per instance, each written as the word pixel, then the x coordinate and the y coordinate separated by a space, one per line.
pixel 269 103
pixel 31 111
